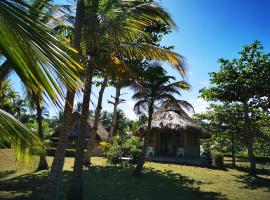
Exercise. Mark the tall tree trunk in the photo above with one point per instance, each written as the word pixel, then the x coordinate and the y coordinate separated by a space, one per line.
pixel 233 149
pixel 249 141
pixel 114 118
pixel 91 141
pixel 76 186
pixel 54 180
pixel 138 170
pixel 42 165
pixel 251 157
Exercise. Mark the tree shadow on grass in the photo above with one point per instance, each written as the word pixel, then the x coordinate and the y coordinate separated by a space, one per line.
pixel 26 186
pixel 261 171
pixel 4 174
pixel 251 182
pixel 116 183
pixel 112 183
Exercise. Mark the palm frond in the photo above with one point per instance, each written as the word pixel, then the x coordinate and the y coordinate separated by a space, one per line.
pixel 185 104
pixel 183 85
pixel 140 107
pixel 21 139
pixel 152 52
pixel 36 54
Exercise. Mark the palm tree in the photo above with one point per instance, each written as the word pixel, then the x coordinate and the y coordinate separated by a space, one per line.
pixel 37 57
pixel 54 179
pixel 35 102
pixel 154 88
pixel 91 141
pixel 32 50
pixel 12 131
pixel 24 141
pixel 117 100
pixel 120 34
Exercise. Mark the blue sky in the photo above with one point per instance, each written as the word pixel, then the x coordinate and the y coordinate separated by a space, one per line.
pixel 207 30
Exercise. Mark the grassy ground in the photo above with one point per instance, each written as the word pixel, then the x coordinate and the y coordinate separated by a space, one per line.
pixel 160 181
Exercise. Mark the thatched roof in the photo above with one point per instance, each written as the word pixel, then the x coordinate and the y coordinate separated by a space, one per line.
pixel 171 118
pixel 102 134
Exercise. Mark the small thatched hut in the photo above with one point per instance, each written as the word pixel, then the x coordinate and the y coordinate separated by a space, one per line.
pixel 102 134
pixel 172 129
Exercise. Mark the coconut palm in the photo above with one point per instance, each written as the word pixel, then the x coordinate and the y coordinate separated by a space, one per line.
pixel 37 57
pixel 24 141
pixel 121 34
pixel 54 179
pixel 154 89
pixel 91 141
pixel 14 132
pixel 35 103
pixel 34 52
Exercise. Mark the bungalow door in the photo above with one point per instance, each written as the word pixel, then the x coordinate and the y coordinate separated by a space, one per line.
pixel 169 143
pixel 163 143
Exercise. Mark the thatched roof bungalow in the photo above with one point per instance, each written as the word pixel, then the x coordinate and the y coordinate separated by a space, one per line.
pixel 102 134
pixel 172 129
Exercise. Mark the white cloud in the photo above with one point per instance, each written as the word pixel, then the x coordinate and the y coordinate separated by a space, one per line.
pixel 129 110
pixel 206 83
pixel 199 105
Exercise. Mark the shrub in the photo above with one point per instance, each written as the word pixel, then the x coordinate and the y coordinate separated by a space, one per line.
pixel 132 148
pixel 218 159
pixel 105 146
pixel 114 154
pixel 206 154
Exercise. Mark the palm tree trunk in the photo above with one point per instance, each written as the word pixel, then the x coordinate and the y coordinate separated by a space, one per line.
pixel 114 118
pixel 76 186
pixel 91 141
pixel 138 170
pixel 54 180
pixel 42 165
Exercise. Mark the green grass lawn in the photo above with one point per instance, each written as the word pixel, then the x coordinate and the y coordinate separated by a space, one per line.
pixel 160 181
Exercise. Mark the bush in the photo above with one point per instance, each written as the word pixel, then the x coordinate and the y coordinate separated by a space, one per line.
pixel 132 148
pixel 206 154
pixel 114 154
pixel 218 159
pixel 105 146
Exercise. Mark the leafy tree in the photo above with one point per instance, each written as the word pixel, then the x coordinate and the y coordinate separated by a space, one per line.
pixel 224 122
pixel 243 81
pixel 155 88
